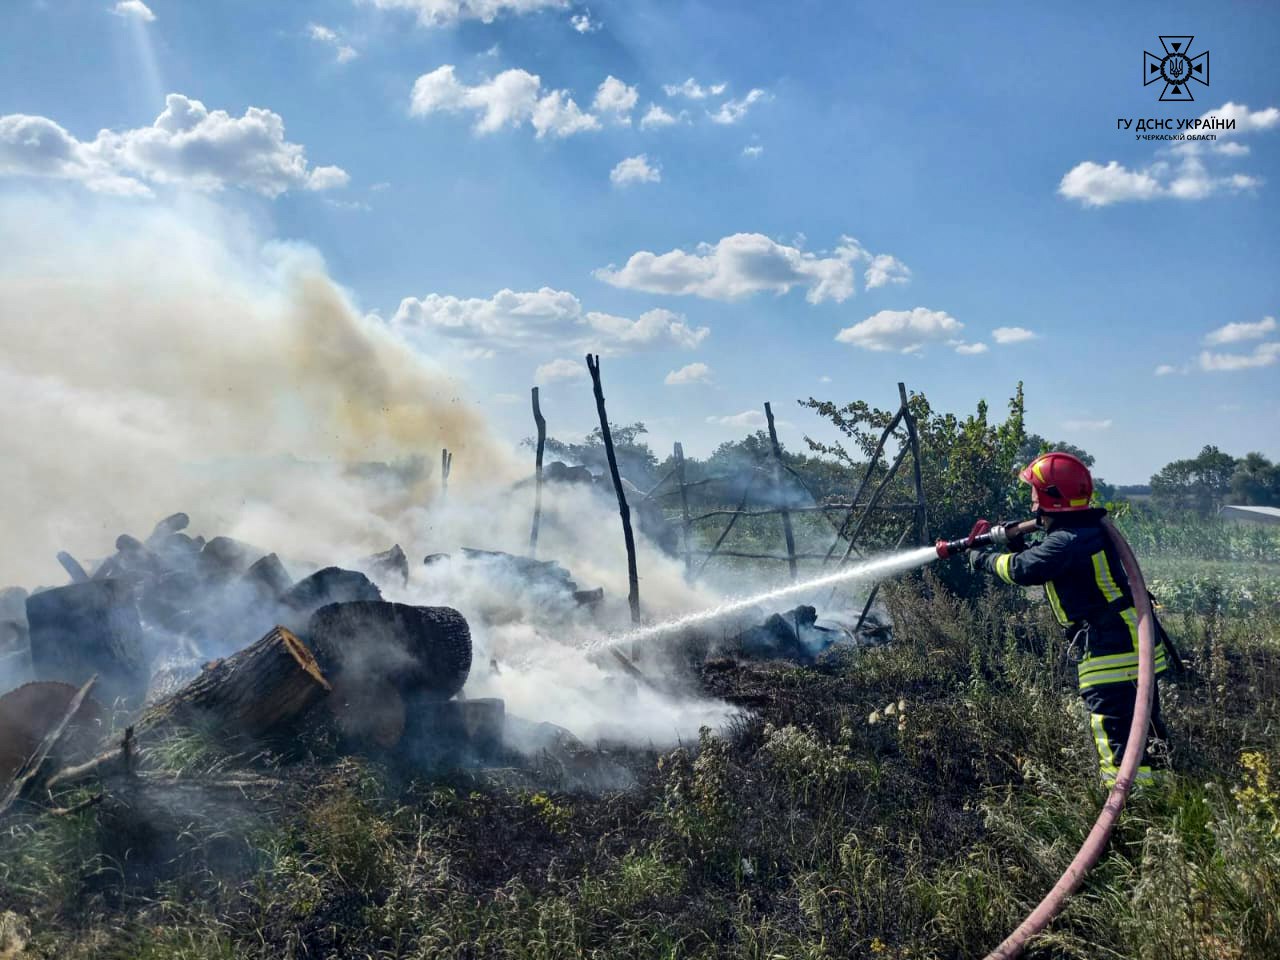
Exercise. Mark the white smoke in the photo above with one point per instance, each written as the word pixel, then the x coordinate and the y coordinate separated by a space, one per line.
pixel 163 359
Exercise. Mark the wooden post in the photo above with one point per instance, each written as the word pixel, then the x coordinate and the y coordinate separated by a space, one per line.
pixel 866 477
pixel 633 577
pixel 446 464
pixel 778 491
pixel 921 513
pixel 684 509
pixel 537 474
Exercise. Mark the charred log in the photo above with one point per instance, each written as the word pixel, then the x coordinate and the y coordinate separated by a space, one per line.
pixel 390 565
pixel 418 650
pixel 258 691
pixel 89 629
pixel 31 712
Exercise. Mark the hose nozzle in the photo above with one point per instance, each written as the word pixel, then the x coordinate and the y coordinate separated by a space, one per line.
pixel 982 535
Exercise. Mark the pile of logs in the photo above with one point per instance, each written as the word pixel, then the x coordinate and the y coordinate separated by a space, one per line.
pixel 325 650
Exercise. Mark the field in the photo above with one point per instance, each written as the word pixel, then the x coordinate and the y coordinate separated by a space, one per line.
pixel 907 801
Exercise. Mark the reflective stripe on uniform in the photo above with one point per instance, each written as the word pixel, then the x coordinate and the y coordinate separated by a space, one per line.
pixel 1002 565
pixel 1055 604
pixel 1106 756
pixel 1102 574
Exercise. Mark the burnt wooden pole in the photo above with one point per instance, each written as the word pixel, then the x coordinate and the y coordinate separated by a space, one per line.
pixel 684 508
pixel 921 514
pixel 633 577
pixel 446 465
pixel 537 474
pixel 777 486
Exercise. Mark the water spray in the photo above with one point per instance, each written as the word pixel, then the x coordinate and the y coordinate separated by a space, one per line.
pixel 879 569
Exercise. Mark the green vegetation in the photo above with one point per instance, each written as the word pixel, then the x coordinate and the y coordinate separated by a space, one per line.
pixel 913 800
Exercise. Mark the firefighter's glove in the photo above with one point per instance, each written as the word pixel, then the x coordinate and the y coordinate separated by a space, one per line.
pixel 974 559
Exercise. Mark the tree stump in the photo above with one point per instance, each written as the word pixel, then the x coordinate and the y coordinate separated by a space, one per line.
pixel 86 629
pixel 253 693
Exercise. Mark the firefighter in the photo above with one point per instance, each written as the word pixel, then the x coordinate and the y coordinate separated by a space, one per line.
pixel 1089 594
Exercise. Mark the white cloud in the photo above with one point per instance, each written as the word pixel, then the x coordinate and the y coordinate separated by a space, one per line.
pixel 694 90
pixel 746 420
pixel 824 379
pixel 134 10
pixel 614 96
pixel 693 373
pixel 1186 178
pixel 1165 369
pixel 1247 121
pixel 1087 426
pixel 731 111
pixel 1236 332
pixel 969 349
pixel 635 170
pixel 905 331
pixel 558 115
pixel 653 326
pixel 1263 355
pixel 738 266
pixel 1007 335
pixel 655 116
pixel 343 52
pixel 885 269
pixel 1097 186
pixel 442 13
pixel 561 369
pixel 583 23
pixel 752 151
pixel 510 99
pixel 188 145
pixel 515 320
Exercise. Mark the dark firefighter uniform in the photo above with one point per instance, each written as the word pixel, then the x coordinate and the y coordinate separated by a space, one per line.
pixel 1089 593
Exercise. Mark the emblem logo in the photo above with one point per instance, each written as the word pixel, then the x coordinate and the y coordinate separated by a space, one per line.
pixel 1177 68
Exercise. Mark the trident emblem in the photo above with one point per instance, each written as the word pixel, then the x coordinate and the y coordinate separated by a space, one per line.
pixel 1177 68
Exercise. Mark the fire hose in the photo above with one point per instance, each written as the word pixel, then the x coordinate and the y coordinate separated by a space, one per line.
pixel 1094 844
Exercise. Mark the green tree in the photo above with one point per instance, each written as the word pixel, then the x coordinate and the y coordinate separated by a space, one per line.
pixel 1256 481
pixel 968 466
pixel 1200 484
pixel 636 460
pixel 1035 445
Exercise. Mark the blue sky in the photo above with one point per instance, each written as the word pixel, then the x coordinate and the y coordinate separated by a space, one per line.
pixel 844 195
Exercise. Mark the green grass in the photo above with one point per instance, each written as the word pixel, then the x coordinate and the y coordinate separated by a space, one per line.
pixel 806 831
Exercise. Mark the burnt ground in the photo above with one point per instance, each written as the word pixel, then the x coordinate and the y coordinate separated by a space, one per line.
pixel 822 823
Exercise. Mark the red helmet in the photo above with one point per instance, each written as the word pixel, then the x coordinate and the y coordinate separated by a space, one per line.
pixel 1061 482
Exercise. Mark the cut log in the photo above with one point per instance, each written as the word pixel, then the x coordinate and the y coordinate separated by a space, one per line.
pixel 419 650
pixel 223 558
pixel 258 691
pixel 368 715
pixel 31 712
pixel 89 629
pixel 174 523
pixel 33 770
pixel 268 576
pixel 72 566
pixel 390 565
pixel 330 585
